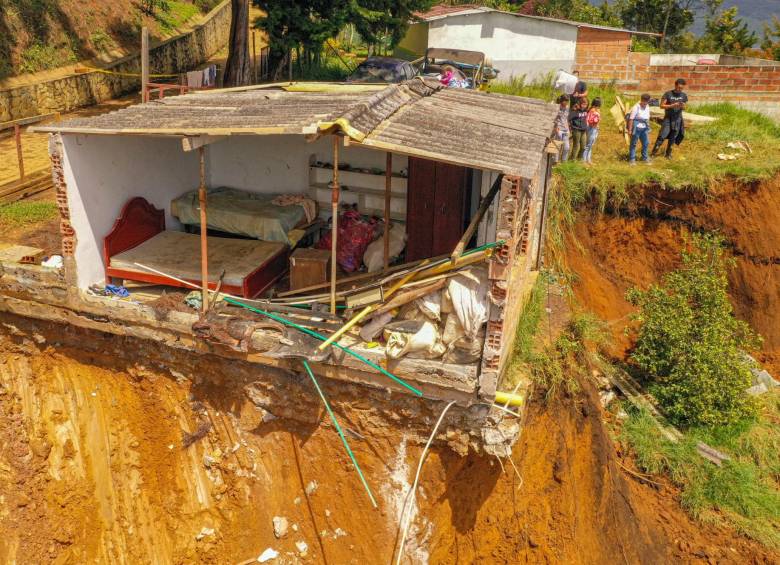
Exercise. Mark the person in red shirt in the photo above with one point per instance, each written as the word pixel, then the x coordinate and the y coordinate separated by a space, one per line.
pixel 592 119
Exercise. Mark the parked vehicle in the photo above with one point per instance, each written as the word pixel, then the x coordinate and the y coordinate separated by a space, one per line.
pixel 473 65
pixel 383 69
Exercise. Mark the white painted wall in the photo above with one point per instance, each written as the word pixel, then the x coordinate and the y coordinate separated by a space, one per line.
pixel 280 163
pixel 516 45
pixel 103 172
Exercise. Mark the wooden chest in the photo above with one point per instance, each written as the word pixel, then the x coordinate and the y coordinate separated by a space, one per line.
pixel 308 267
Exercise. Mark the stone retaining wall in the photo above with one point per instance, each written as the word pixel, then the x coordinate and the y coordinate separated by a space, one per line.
pixel 172 56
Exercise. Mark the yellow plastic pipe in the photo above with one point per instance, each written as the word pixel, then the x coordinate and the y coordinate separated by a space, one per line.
pixel 367 310
pixel 508 398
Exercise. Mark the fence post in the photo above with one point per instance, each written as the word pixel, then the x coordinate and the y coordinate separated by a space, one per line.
pixel 19 156
pixel 144 64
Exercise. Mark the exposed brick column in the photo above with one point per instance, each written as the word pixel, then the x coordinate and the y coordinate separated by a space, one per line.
pixel 603 54
pixel 67 232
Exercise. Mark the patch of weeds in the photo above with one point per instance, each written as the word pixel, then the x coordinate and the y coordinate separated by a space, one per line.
pixel 25 213
pixel 40 56
pixel 205 6
pixel 175 16
pixel 528 325
pixel 743 492
pixel 328 68
pixel 574 354
pixel 101 41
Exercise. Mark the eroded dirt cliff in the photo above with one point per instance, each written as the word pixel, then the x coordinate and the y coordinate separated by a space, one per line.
pixel 106 456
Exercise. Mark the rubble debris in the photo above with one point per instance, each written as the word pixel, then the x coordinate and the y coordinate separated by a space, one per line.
pixel 762 382
pixel 268 555
pixel 311 488
pixel 302 547
pixel 204 532
pixel 187 439
pixel 281 526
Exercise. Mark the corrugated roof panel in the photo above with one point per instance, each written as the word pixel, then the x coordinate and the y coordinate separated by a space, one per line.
pixel 418 117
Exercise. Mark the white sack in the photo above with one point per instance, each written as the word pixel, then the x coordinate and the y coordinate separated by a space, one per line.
pixel 468 292
pixel 423 341
pixel 374 257
pixel 430 305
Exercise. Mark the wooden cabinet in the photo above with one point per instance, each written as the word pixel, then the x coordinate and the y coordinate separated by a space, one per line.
pixel 437 194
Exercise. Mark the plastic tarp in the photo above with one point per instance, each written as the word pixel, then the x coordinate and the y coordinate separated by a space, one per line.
pixel 565 82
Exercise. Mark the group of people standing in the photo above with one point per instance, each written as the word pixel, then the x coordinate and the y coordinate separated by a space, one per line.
pixel 577 123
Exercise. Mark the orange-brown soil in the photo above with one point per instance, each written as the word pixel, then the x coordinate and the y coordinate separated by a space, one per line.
pixel 610 253
pixel 94 468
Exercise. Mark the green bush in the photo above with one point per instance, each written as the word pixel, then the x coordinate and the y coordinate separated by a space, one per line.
pixel 690 345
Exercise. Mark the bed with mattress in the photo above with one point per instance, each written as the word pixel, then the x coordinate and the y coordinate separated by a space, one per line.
pixel 139 237
pixel 270 217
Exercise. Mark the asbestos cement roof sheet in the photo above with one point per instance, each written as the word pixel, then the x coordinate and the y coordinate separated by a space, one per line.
pixel 418 118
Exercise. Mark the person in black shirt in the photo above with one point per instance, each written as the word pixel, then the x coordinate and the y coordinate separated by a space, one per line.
pixel 580 91
pixel 578 128
pixel 673 128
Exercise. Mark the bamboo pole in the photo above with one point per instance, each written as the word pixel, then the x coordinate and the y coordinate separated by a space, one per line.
pixel 474 224
pixel 388 196
pixel 144 63
pixel 321 337
pixel 204 246
pixel 334 224
pixel 367 310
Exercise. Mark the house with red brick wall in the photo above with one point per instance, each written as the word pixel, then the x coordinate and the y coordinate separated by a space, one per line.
pixel 520 44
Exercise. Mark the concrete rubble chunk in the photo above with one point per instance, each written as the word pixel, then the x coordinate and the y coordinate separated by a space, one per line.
pixel 281 525
pixel 302 547
pixel 268 555
pixel 204 532
pixel 311 488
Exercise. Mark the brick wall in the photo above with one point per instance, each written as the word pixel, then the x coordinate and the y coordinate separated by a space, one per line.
pixel 603 54
pixel 710 77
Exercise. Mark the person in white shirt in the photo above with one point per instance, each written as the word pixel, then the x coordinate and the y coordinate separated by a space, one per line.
pixel 639 128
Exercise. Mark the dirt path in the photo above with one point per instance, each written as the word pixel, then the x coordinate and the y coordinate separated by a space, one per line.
pixel 92 467
pixel 35 146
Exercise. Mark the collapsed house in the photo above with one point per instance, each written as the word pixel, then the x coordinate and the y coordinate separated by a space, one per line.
pixel 401 225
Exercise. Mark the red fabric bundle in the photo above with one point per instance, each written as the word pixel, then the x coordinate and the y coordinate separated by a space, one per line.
pixel 355 234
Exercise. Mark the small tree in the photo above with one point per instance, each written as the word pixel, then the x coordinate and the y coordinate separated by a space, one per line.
pixel 690 345
pixel 729 33
pixel 771 41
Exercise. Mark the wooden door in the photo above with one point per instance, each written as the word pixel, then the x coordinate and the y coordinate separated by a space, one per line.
pixel 435 207
pixel 449 207
pixel 420 191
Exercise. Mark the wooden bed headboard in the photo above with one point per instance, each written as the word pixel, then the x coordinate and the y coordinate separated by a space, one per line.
pixel 138 222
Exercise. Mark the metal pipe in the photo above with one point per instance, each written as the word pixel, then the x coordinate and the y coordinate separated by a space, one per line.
pixel 388 196
pixel 204 246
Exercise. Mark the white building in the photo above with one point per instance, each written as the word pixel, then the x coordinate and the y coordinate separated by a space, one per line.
pixel 516 44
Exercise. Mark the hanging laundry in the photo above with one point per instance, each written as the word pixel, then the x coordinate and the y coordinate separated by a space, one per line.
pixel 195 79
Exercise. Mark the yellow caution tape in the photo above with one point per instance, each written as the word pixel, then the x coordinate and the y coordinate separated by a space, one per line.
pixel 82 70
